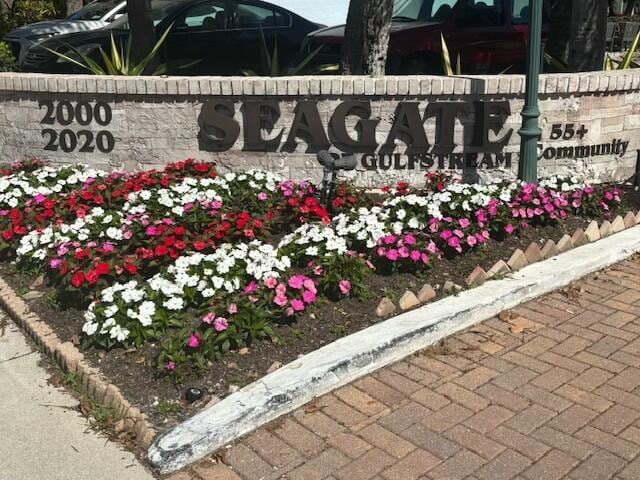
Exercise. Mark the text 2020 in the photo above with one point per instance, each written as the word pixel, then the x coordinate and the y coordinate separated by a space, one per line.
pixel 64 113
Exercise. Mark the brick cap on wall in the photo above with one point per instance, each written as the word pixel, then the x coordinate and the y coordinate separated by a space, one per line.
pixel 580 83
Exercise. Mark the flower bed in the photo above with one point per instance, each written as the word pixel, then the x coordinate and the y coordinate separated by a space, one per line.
pixel 177 272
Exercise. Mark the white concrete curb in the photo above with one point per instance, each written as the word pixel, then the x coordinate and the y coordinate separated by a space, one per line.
pixel 363 352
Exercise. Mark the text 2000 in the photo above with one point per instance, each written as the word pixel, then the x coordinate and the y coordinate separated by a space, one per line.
pixel 65 113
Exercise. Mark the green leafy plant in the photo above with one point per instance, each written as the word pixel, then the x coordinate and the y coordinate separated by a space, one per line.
pixel 8 61
pixel 446 60
pixel 270 64
pixel 627 60
pixel 24 12
pixel 118 62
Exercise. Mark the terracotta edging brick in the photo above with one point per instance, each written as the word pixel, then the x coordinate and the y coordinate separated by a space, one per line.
pixel 518 260
pixel 71 360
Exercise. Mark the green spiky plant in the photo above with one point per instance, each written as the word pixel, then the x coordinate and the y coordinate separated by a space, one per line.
pixel 270 62
pixel 446 60
pixel 627 60
pixel 118 62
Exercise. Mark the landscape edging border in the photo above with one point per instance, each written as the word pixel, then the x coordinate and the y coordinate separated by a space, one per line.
pixel 67 356
pixel 389 341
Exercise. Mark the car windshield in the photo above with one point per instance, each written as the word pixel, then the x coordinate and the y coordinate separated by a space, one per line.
pixel 94 11
pixel 423 10
pixel 160 10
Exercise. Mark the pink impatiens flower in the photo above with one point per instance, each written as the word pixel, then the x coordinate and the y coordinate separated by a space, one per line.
pixel 55 263
pixel 220 324
pixel 251 287
pixel 270 282
pixel 310 285
pixel 297 305
pixel 280 300
pixel 209 318
pixel 308 296
pixel 194 341
pixel 345 287
pixel 232 308
pixel 296 281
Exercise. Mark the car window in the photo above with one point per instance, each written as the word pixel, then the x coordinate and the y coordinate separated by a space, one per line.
pixel 204 16
pixel 160 9
pixel 94 11
pixel 422 10
pixel 479 13
pixel 114 16
pixel 442 9
pixel 248 17
pixel 519 11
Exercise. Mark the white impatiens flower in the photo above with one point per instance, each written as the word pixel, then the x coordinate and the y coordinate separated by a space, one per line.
pixel 118 333
pixel 90 328
pixel 174 303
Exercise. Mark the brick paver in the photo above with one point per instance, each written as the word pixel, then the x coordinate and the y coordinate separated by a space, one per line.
pixel 552 392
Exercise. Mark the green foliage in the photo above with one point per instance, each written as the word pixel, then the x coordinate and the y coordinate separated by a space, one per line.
pixel 270 64
pixel 626 61
pixel 24 12
pixel 167 408
pixel 8 61
pixel 252 323
pixel 73 381
pixel 446 60
pixel 340 267
pixel 118 62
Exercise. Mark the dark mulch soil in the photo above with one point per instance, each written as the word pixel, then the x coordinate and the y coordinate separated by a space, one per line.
pixel 161 397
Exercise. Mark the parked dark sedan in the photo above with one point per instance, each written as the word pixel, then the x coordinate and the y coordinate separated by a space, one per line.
pixel 489 35
pixel 207 37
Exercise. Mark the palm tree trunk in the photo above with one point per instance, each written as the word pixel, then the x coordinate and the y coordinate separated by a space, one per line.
pixel 578 34
pixel 367 37
pixel 143 34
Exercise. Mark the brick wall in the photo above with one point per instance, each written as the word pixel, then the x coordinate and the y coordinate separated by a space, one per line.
pixel 155 120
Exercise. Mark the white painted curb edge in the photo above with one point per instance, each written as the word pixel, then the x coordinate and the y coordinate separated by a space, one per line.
pixel 356 355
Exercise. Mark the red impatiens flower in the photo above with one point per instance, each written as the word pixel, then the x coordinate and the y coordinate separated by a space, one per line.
pixel 130 268
pixel 102 268
pixel 77 279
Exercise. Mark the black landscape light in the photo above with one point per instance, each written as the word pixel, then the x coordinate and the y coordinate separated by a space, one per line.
pixel 331 165
pixel 193 394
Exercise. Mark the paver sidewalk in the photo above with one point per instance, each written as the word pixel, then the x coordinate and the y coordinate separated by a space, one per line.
pixel 551 391
pixel 42 437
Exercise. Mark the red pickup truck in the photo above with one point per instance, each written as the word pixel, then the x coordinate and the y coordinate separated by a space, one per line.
pixel 489 35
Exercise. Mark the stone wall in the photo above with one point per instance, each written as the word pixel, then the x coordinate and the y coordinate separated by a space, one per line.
pixel 131 123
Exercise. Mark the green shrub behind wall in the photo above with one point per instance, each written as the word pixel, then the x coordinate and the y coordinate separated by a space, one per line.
pixel 24 12
pixel 7 60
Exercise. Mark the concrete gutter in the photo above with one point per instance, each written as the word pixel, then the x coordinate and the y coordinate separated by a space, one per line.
pixel 352 357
